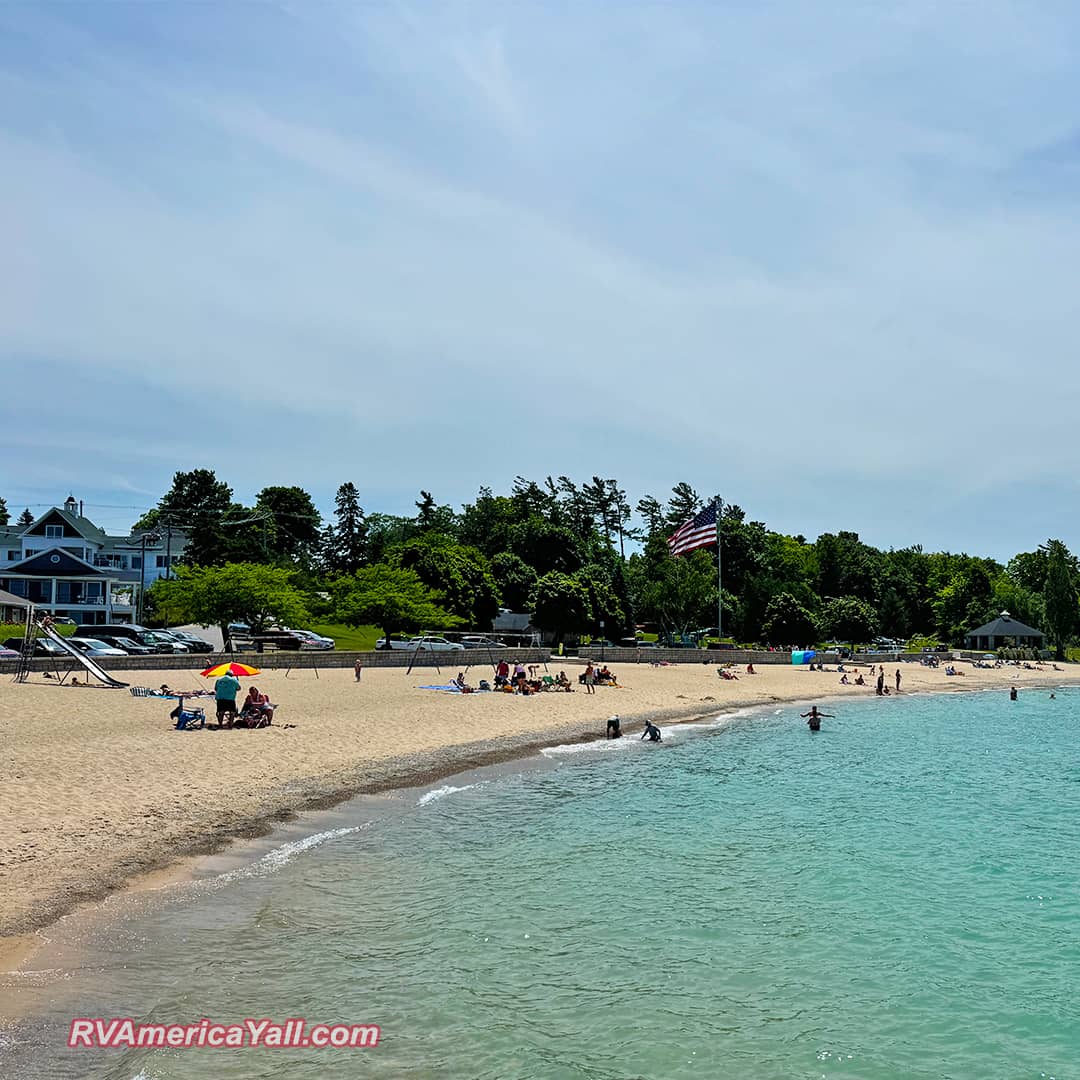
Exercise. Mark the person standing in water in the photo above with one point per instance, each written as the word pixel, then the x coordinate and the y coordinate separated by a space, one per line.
pixel 1012 693
pixel 813 718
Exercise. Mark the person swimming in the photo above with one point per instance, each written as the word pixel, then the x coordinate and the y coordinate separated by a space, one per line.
pixel 651 732
pixel 813 718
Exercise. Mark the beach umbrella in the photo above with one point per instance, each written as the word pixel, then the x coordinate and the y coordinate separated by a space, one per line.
pixel 218 670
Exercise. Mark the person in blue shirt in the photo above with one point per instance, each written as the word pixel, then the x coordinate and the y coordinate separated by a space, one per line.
pixel 225 690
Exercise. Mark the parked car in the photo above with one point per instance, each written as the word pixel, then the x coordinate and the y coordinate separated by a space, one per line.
pixel 129 645
pixel 42 646
pixel 9 654
pixel 127 630
pixel 95 647
pixel 161 643
pixel 194 643
pixel 428 643
pixel 310 640
pixel 477 641
pixel 63 620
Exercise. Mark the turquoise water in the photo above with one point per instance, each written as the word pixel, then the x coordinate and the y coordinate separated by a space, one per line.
pixel 895 897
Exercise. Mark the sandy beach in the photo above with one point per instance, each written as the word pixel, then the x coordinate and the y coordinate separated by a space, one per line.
pixel 98 788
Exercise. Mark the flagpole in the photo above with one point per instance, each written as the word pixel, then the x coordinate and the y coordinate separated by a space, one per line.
pixel 719 578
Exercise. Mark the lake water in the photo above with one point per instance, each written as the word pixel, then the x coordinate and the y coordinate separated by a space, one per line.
pixel 894 898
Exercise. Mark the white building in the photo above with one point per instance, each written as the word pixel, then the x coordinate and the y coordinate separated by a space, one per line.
pixel 64 564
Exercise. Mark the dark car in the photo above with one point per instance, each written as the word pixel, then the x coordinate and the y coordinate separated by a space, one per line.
pixel 42 646
pixel 129 645
pixel 194 643
pixel 125 630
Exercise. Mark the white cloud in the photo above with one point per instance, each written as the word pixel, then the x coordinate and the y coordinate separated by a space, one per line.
pixel 746 246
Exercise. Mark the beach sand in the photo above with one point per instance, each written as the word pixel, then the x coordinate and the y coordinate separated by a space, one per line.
pixel 98 788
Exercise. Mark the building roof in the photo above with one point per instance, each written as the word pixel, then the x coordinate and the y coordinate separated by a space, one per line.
pixel 1005 626
pixel 82 526
pixel 56 562
pixel 11 600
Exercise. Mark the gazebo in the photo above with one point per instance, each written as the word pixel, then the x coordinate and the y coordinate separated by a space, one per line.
pixel 1005 632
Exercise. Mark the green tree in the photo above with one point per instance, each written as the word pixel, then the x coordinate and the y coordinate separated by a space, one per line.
pixel 514 579
pixel 390 597
pixel 252 593
pixel 459 574
pixel 561 605
pixel 849 619
pixel 787 622
pixel 198 503
pixel 683 505
pixel 296 522
pixel 25 519
pixel 345 542
pixel 5 517
pixel 1059 595
pixel 679 594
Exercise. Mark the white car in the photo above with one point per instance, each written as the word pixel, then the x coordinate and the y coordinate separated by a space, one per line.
pixel 95 647
pixel 428 643
pixel 310 640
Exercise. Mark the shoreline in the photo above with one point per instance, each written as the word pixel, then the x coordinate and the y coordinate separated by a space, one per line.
pixel 169 859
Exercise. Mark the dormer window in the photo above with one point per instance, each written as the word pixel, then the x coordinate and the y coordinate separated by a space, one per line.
pixel 54 532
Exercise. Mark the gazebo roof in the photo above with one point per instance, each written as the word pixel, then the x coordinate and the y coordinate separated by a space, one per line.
pixel 1005 626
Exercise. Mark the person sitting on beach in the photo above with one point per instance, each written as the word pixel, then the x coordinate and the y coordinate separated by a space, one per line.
pixel 844 679
pixel 459 682
pixel 651 732
pixel 563 683
pixel 859 680
pixel 257 708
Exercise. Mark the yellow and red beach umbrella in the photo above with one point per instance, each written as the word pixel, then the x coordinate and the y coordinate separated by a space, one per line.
pixel 218 670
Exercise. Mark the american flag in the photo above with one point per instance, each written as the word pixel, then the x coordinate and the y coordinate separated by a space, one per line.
pixel 697 533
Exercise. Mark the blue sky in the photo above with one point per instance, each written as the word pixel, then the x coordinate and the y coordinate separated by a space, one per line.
pixel 820 258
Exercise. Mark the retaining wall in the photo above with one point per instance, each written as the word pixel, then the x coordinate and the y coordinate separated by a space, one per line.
pixel 289 659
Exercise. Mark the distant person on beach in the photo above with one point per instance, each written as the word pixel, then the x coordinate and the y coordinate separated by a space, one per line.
pixel 1012 693
pixel 898 680
pixel 750 669
pixel 651 732
pixel 590 678
pixel 502 674
pixel 813 718
pixel 881 683
pixel 358 670
pixel 614 729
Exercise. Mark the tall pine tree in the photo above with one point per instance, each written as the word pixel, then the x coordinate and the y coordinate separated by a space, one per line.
pixel 345 541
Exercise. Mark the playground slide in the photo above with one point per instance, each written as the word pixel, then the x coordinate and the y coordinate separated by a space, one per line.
pixel 87 662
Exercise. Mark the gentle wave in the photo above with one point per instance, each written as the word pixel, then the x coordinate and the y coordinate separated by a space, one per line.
pixel 280 856
pixel 442 792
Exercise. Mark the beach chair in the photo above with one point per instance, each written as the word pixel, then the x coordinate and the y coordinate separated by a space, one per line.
pixel 139 691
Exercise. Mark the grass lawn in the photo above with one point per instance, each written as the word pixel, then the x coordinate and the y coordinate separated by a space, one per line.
pixel 349 638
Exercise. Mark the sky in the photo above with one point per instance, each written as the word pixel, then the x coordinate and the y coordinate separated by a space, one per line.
pixel 820 259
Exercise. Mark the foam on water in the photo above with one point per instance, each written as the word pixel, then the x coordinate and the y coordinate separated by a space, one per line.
pixel 442 792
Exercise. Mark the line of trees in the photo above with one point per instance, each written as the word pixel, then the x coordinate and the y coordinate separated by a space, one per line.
pixel 577 555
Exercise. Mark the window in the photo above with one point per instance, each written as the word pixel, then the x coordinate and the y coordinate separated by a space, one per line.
pixel 54 531
pixel 160 561
pixel 12 555
pixel 136 562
